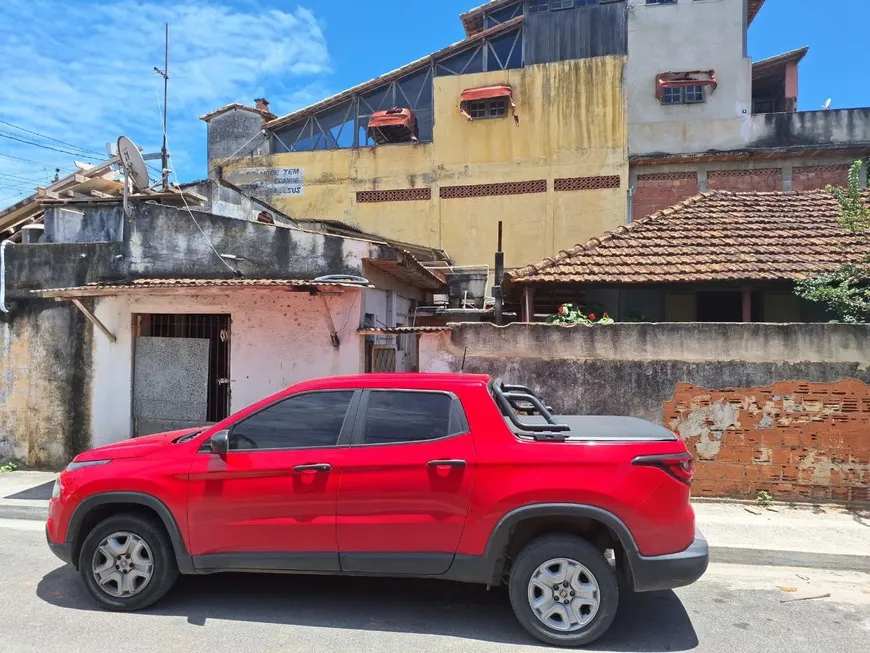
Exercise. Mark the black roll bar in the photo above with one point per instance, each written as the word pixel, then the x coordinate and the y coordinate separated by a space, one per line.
pixel 507 395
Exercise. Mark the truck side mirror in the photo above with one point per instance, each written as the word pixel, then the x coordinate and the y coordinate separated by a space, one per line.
pixel 220 443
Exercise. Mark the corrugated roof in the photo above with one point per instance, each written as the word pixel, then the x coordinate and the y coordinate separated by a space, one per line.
pixel 765 67
pixel 402 330
pixel 95 289
pixel 391 76
pixel 472 20
pixel 715 236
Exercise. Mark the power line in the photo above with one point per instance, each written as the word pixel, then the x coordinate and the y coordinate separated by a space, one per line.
pixel 47 147
pixel 39 163
pixel 20 178
pixel 49 138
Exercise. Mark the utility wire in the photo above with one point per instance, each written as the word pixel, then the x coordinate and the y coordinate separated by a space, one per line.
pixel 39 163
pixel 47 147
pixel 49 138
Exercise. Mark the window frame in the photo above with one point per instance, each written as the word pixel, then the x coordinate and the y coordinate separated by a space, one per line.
pixel 660 3
pixel 682 93
pixel 358 437
pixel 344 435
pixel 487 109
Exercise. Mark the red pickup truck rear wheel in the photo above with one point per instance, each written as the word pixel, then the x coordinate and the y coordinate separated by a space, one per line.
pixel 563 590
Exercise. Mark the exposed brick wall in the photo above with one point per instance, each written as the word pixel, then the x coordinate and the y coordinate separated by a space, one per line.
pixel 745 181
pixel 813 178
pixel 659 191
pixel 794 439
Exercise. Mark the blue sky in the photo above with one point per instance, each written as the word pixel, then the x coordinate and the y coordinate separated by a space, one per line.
pixel 81 71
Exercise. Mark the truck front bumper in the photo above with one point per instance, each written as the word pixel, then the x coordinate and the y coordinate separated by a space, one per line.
pixel 651 573
pixel 62 551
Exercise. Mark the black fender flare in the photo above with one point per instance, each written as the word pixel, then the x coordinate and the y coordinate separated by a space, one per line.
pixel 182 557
pixel 500 536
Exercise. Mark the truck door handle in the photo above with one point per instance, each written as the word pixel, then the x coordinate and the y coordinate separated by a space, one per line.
pixel 316 467
pixel 447 463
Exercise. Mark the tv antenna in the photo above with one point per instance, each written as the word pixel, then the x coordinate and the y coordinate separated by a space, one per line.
pixel 827 105
pixel 164 155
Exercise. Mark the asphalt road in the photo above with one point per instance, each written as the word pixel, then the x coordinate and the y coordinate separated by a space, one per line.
pixel 734 608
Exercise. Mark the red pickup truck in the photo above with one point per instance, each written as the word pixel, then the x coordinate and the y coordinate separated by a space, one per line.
pixel 441 476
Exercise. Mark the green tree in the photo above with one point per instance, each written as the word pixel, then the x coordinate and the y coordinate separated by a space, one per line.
pixel 846 289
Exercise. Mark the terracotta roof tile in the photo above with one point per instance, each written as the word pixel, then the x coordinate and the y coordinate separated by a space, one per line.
pixel 715 236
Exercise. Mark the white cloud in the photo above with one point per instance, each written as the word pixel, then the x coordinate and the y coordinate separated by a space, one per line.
pixel 82 72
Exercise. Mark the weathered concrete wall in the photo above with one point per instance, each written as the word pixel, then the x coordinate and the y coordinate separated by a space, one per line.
pixel 276 339
pixel 45 363
pixel 572 124
pixel 638 369
pixel 96 224
pixel 634 368
pixel 792 439
pixel 233 133
pixel 162 241
pixel 229 202
pixel 60 265
pixel 679 37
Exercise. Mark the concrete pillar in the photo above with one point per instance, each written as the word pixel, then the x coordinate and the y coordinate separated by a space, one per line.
pixel 788 177
pixel 527 311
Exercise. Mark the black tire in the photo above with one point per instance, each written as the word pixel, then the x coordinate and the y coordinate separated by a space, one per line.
pixel 575 548
pixel 165 568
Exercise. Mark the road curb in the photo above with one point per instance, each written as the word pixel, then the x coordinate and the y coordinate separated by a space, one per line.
pixel 23 511
pixel 771 558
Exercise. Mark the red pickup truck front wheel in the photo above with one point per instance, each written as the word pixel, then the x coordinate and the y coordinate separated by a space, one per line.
pixel 563 590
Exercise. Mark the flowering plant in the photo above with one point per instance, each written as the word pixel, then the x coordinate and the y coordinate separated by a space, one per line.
pixel 572 314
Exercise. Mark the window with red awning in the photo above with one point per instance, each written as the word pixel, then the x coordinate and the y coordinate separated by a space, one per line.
pixel 487 102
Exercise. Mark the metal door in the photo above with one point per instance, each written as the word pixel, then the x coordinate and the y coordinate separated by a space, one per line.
pixel 170 384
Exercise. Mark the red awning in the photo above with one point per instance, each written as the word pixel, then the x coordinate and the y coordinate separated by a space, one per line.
pixel 679 80
pixel 486 93
pixel 397 125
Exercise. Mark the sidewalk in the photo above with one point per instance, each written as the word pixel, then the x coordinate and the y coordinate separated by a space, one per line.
pixel 823 537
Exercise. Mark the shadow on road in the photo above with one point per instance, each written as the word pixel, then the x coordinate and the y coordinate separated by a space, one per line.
pixel 645 622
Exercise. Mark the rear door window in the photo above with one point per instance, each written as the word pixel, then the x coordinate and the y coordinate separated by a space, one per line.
pixel 402 417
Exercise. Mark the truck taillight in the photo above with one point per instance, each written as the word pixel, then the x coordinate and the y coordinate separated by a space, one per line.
pixel 679 465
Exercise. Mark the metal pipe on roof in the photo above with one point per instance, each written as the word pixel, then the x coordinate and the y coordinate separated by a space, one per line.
pixel 3 275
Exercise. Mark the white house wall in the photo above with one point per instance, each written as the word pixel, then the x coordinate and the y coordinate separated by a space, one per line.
pixel 277 339
pixel 690 35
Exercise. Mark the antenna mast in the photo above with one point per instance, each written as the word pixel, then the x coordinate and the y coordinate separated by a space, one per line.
pixel 164 155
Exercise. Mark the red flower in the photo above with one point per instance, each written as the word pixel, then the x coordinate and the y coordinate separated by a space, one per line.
pixel 562 310
pixel 592 316
pixel 605 315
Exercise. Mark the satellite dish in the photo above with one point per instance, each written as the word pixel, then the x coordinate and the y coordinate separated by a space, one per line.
pixel 134 164
pixel 827 104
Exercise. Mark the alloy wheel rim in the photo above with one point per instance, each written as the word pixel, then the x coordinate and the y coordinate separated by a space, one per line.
pixel 564 595
pixel 123 565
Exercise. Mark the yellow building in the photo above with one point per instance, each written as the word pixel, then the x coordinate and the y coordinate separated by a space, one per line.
pixel 515 123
